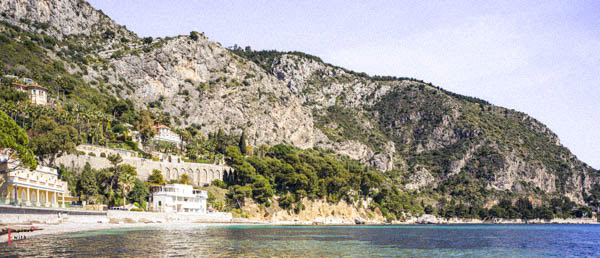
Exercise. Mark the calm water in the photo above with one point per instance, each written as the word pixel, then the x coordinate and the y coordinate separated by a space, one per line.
pixel 359 241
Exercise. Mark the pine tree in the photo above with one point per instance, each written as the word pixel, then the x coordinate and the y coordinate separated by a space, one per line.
pixel 87 183
pixel 242 143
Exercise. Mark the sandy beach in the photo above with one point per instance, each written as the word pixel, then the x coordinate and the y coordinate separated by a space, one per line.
pixel 74 227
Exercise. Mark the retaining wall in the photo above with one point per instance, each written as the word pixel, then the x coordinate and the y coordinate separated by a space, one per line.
pixel 200 174
pixel 15 214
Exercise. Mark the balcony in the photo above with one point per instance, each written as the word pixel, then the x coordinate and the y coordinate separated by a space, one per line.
pixel 58 186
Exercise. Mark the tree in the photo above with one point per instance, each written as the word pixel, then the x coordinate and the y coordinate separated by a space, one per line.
pixel 50 140
pixel 497 212
pixel 237 194
pixel 140 192
pixel 14 142
pixel 146 126
pixel 261 189
pixel 242 144
pixel 115 160
pixel 87 183
pixel 185 179
pixel 194 35
pixel 525 207
pixel 543 212
pixel 220 142
pixel 156 177
pixel 127 180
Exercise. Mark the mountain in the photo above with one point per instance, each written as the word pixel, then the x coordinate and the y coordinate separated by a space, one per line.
pixel 423 137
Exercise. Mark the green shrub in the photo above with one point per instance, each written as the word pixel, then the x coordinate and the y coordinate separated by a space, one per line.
pixel 219 183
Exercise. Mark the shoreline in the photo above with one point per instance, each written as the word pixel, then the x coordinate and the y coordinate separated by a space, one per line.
pixel 74 227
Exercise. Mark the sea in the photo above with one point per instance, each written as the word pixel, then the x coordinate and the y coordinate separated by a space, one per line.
pixel 321 241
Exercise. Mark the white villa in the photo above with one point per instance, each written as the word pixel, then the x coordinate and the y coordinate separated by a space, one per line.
pixel 37 93
pixel 163 133
pixel 179 198
pixel 40 187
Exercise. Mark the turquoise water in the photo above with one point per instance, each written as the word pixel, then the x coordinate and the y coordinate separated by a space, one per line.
pixel 357 241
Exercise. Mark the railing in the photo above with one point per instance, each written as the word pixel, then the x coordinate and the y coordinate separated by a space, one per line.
pixel 36 182
pixel 23 203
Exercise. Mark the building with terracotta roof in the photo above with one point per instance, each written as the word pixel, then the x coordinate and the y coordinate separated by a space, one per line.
pixel 37 93
pixel 164 133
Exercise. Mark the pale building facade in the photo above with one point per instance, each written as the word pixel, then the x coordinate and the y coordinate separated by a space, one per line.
pixel 164 133
pixel 37 93
pixel 179 198
pixel 22 186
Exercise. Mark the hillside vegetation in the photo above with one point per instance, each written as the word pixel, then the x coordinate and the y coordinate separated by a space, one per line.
pixel 311 130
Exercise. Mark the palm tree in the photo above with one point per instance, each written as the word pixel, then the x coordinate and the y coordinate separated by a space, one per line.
pixel 126 180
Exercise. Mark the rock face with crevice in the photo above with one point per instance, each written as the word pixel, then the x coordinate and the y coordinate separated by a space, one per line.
pixel 423 136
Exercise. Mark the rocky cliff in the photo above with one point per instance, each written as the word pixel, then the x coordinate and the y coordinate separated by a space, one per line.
pixel 424 136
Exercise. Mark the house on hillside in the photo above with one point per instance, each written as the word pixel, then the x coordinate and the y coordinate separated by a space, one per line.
pixel 164 133
pixel 37 93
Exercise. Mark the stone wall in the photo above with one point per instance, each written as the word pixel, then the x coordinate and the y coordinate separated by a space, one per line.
pixel 15 214
pixel 200 174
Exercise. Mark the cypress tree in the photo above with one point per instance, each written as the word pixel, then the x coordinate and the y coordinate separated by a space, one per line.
pixel 242 143
pixel 220 141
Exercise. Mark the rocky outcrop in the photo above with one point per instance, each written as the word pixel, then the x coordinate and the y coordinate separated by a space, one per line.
pixel 315 212
pixel 387 123
pixel 421 178
pixel 61 18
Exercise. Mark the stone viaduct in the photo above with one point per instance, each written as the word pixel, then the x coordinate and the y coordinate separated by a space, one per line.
pixel 200 174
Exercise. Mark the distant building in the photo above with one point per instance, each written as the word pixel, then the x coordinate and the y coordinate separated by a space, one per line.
pixel 163 133
pixel 28 81
pixel 37 93
pixel 39 187
pixel 11 77
pixel 179 198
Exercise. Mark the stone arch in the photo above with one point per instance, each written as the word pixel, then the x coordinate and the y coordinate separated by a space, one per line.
pixel 198 178
pixel 204 176
pixel 211 174
pixel 190 174
pixel 175 174
pixel 215 174
pixel 167 173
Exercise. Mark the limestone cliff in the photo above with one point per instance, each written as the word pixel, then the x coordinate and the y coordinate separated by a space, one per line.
pixel 424 136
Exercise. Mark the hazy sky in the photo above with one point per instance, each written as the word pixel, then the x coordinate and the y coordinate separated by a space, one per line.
pixel 539 57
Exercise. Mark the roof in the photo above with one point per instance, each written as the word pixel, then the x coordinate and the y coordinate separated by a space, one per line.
pixel 161 126
pixel 19 85
pixel 37 86
pixel 29 86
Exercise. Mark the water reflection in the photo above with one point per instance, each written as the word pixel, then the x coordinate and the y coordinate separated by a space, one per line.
pixel 361 241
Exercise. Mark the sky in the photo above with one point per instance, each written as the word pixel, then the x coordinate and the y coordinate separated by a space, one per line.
pixel 538 57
